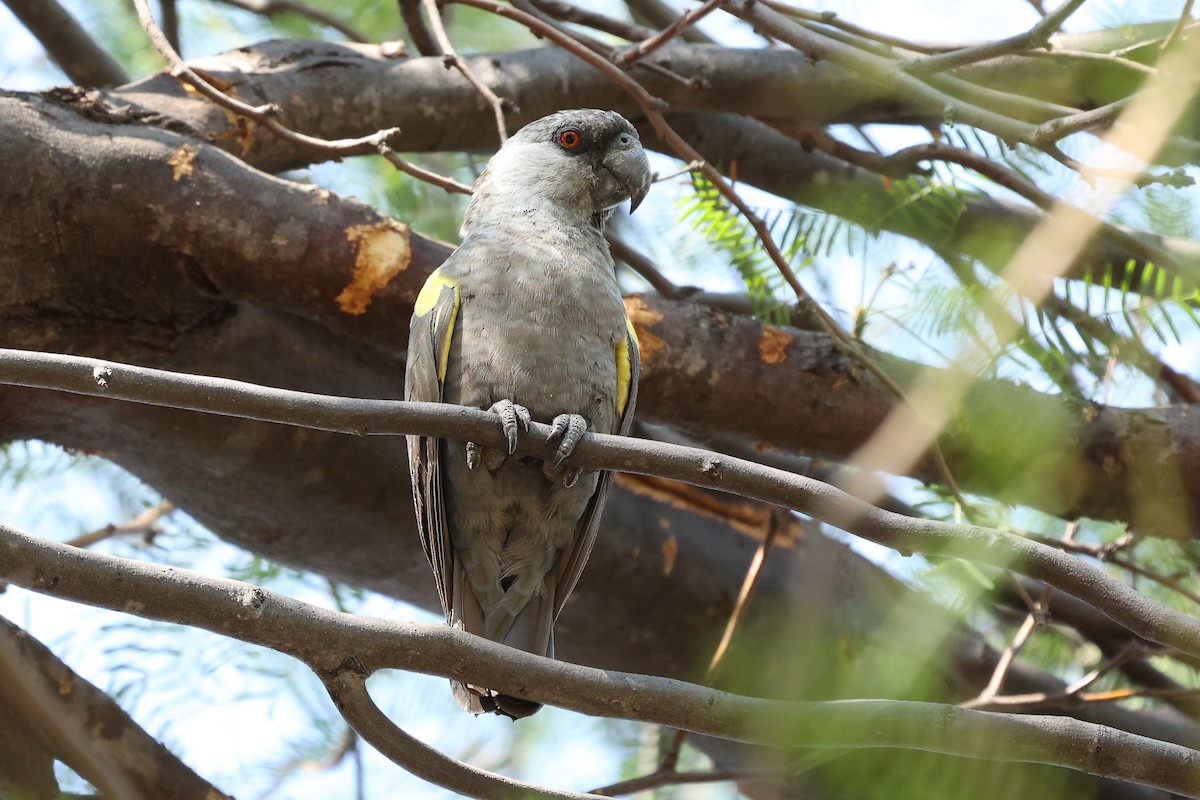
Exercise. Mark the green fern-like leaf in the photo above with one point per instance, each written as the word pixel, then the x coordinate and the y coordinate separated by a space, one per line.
pixel 725 229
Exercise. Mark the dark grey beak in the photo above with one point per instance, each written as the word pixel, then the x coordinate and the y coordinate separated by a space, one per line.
pixel 629 167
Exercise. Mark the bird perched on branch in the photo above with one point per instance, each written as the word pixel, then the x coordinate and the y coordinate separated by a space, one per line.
pixel 525 319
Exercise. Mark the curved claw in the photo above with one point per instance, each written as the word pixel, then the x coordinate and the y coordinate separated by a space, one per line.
pixel 569 429
pixel 511 416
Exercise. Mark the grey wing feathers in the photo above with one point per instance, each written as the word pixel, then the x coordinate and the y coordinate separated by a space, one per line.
pixel 575 556
pixel 427 341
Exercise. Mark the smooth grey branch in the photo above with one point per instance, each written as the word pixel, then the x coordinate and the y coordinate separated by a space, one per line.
pixel 1146 617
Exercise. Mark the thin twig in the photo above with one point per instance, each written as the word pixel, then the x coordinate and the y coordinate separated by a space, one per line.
pixel 666 772
pixel 266 115
pixel 534 10
pixel 630 55
pixel 646 269
pixel 420 173
pixel 1084 55
pixel 1073 695
pixel 1110 553
pixel 144 524
pixel 833 20
pixel 451 58
pixel 1130 652
pixel 1033 619
pixel 660 15
pixel 749 584
pixel 660 778
pixel 1036 37
pixel 273 8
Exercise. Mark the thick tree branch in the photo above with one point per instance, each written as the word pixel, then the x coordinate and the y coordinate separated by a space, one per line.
pixel 343 266
pixel 331 642
pixel 55 705
pixel 987 229
pixel 68 44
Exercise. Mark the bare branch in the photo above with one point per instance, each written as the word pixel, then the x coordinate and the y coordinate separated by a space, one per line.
pixel 332 643
pixel 629 56
pixel 831 19
pixel 67 43
pixel 420 173
pixel 1037 36
pixel 410 12
pixel 451 59
pixel 144 524
pixel 347 688
pixel 1035 617
pixel 267 116
pixel 66 711
pixel 1148 618
pixel 661 15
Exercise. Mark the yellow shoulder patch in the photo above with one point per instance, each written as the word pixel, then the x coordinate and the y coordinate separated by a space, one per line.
pixel 625 366
pixel 429 301
pixel 431 291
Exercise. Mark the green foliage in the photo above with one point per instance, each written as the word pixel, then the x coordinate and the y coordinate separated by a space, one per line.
pixel 931 203
pixel 733 236
pixel 428 209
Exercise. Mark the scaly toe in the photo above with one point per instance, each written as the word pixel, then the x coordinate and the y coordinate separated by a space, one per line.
pixel 472 455
pixel 512 418
pixel 569 429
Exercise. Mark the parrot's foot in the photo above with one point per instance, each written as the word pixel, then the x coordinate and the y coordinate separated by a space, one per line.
pixel 512 417
pixel 569 430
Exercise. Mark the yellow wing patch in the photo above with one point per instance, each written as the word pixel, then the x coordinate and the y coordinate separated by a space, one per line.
pixel 625 366
pixel 427 301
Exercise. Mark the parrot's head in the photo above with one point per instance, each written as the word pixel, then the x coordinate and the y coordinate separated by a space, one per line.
pixel 584 161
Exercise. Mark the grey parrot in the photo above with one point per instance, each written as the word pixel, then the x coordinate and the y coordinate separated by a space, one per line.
pixel 525 319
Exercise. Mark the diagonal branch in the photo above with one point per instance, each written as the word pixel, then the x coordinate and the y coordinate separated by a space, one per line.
pixel 268 115
pixel 661 15
pixel 631 55
pixel 68 44
pixel 58 706
pixel 1037 36
pixel 451 58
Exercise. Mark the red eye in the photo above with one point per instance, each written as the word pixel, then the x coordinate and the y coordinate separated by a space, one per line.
pixel 569 138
